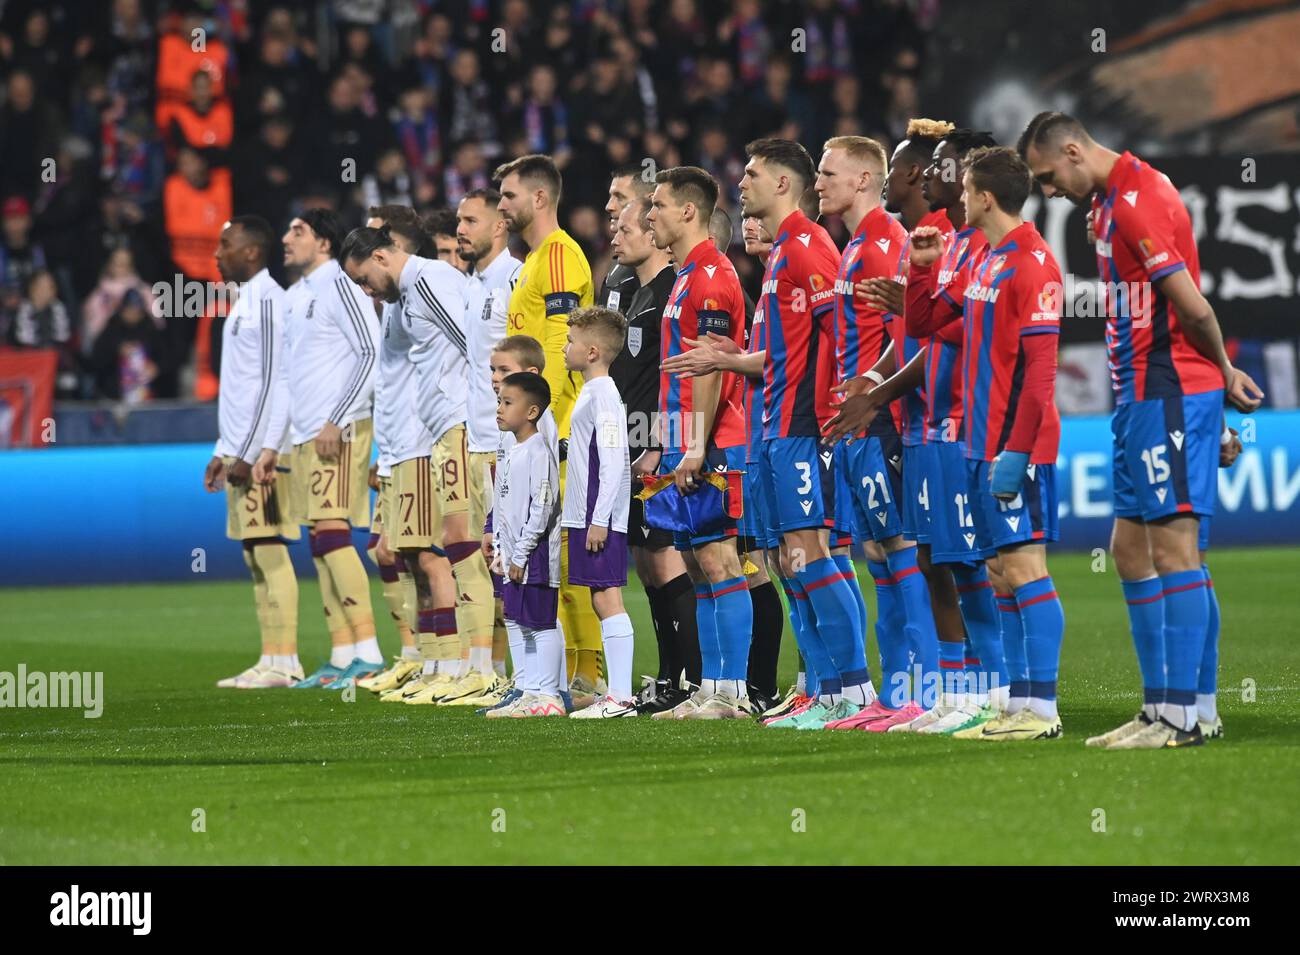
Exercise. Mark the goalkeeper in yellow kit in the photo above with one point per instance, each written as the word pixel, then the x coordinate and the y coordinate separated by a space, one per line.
pixel 554 281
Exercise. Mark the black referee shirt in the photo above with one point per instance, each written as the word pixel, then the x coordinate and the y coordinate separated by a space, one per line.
pixel 619 287
pixel 636 369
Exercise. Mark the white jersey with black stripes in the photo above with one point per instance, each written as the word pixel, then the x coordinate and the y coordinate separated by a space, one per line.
pixel 433 312
pixel 252 352
pixel 329 372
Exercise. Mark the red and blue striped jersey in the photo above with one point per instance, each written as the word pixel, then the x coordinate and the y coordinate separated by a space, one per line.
pixel 706 297
pixel 1011 292
pixel 1144 234
pixel 753 388
pixel 798 302
pixel 909 410
pixel 943 393
pixel 860 329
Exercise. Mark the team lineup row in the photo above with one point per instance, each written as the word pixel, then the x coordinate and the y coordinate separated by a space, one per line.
pixel 897 394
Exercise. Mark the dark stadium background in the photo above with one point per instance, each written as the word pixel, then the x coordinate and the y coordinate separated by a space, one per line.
pixel 428 96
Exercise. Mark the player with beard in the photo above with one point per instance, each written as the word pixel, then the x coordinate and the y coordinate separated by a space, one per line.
pixel 322 403
pixel 482 238
pixel 555 279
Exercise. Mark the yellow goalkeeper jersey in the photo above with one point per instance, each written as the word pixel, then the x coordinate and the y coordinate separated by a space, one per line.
pixel 554 281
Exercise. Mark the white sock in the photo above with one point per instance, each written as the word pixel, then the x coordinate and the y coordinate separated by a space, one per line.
pixel 550 658
pixel 430 668
pixel 342 655
pixel 499 668
pixel 561 663
pixel 369 651
pixel 515 641
pixel 801 683
pixel 1184 717
pixel 265 660
pixel 999 696
pixel 616 633
pixel 527 679
pixel 708 687
pixel 861 693
pixel 829 699
pixel 463 667
pixel 733 688
pixel 411 653
pixel 287 664
pixel 1207 707
pixel 1015 703
pixel 1044 708
pixel 480 660
pixel 1151 711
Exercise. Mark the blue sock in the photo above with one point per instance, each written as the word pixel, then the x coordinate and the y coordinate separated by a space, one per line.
pixel 974 667
pixel 1013 645
pixel 1207 683
pixel 845 563
pixel 792 612
pixel 952 664
pixel 734 615
pixel 1146 620
pixel 979 611
pixel 895 681
pixel 1187 616
pixel 831 599
pixel 1043 620
pixel 922 637
pixel 707 624
pixel 820 667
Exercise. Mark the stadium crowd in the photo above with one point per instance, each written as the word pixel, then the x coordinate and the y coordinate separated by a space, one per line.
pixel 131 130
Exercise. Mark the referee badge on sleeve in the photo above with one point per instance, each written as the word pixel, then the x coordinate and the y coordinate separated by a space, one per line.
pixel 634 341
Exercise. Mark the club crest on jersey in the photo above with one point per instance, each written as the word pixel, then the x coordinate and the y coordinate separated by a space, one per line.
pixel 634 341
pixel 996 266
pixel 817 282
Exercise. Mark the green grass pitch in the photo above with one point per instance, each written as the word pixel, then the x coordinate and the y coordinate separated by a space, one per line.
pixel 304 777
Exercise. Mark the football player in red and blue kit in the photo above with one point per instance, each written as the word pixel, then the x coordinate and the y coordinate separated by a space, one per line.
pixel 703 429
pixel 1170 374
pixel 1011 295
pixel 975 687
pixel 905 629
pixel 798 300
pixel 868 495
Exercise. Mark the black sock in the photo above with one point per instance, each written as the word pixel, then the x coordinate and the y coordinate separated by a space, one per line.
pixel 679 594
pixel 765 647
pixel 655 597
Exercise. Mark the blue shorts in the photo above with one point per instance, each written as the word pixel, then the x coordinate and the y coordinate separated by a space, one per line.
pixel 952 525
pixel 847 528
pixel 756 530
pixel 799 475
pixel 873 475
pixel 1029 518
pixel 916 497
pixel 715 459
pixel 1166 458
